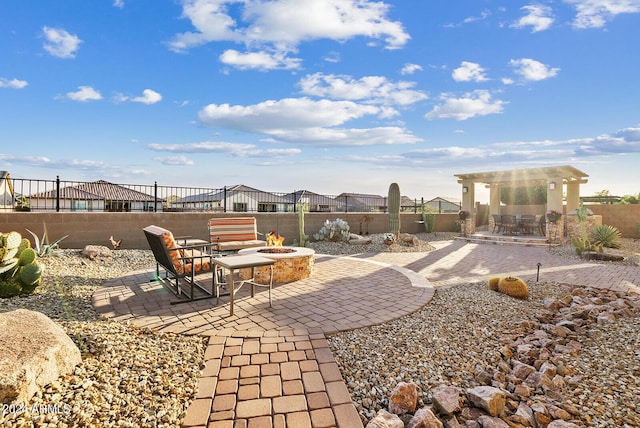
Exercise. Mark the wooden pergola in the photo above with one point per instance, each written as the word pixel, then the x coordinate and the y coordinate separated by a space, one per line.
pixel 554 178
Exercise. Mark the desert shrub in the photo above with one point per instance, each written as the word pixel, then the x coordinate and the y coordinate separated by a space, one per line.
pixel 606 235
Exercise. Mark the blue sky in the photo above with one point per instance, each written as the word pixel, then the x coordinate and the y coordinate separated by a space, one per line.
pixel 324 95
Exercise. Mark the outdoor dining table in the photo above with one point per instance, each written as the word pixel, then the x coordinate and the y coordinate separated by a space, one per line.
pixel 232 263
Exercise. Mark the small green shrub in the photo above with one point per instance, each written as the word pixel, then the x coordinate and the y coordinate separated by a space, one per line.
pixel 606 235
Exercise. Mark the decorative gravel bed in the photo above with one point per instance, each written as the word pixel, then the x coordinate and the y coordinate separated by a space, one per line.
pixel 129 377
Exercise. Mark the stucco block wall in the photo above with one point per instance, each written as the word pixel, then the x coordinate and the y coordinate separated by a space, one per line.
pixel 96 228
pixel 625 217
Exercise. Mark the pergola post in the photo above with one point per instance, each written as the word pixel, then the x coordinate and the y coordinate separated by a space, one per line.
pixel 555 229
pixel 468 204
pixel 573 196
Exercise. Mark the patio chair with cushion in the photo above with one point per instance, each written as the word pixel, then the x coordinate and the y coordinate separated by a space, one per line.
pixel 234 233
pixel 180 262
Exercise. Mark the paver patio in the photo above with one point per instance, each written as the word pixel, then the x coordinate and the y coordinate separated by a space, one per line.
pixel 272 367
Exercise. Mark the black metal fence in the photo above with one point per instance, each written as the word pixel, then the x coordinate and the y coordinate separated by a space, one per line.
pixel 18 194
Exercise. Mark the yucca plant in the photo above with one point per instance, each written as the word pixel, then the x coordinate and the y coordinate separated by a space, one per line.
pixel 606 235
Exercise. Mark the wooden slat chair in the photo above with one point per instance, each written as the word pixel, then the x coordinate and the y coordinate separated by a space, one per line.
pixel 180 262
pixel 234 233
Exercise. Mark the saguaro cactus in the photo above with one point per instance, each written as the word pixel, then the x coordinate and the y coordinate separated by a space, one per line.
pixel 393 201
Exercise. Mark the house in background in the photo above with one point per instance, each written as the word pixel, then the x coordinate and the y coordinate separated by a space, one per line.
pixel 6 192
pixel 362 202
pixel 315 202
pixel 444 205
pixel 96 196
pixel 238 198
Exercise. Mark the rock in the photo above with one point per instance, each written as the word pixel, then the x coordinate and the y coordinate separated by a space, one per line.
pixel 404 398
pixel 384 419
pixel 424 418
pixel 93 252
pixel 35 352
pixel 488 398
pixel 523 416
pixel 521 371
pixel 491 422
pixel 409 238
pixel 355 239
pixel 470 414
pixel 562 424
pixel 446 399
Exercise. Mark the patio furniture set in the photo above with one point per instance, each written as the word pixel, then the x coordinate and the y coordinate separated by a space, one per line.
pixel 184 259
pixel 525 224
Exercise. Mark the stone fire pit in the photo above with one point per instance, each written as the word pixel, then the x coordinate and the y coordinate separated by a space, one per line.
pixel 292 264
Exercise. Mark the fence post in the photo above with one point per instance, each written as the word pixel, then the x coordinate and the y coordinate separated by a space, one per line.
pixel 57 193
pixel 295 197
pixel 224 206
pixel 346 204
pixel 155 196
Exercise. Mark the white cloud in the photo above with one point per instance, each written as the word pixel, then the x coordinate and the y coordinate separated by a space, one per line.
pixel 622 142
pixel 148 97
pixel 259 60
pixel 304 121
pixel 348 137
pixel 531 69
pixel 202 147
pixel 232 149
pixel 596 13
pixel 174 160
pixel 539 18
pixel 118 3
pixel 469 71
pixel 484 15
pixel 13 83
pixel 84 93
pixel 410 68
pixel 279 26
pixel 371 89
pixel 288 113
pixel 477 103
pixel 60 43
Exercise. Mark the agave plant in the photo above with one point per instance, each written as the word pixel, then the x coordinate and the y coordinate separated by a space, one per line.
pixel 606 235
pixel 42 246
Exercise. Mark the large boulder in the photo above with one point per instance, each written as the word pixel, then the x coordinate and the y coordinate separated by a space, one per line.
pixel 35 352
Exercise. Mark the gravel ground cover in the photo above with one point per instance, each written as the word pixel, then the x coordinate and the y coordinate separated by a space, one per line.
pixel 136 377
pixel 129 377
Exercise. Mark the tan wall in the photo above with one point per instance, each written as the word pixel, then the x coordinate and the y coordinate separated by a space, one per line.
pixel 96 228
pixel 625 217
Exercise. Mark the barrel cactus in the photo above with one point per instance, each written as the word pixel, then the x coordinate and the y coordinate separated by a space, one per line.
pixel 514 287
pixel 493 283
pixel 20 272
pixel 393 201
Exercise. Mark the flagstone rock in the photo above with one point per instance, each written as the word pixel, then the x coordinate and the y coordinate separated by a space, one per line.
pixel 35 352
pixel 488 398
pixel 384 419
pixel 424 418
pixel 404 398
pixel 491 422
pixel 446 399
pixel 99 252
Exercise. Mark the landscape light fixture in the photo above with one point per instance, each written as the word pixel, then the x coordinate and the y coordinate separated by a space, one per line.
pixel 552 185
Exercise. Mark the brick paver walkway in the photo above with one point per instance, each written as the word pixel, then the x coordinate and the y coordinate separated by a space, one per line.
pixel 272 367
